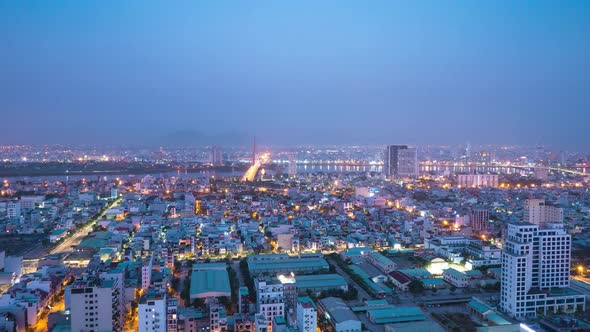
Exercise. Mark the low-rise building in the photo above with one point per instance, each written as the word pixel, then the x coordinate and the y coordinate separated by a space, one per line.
pixel 338 316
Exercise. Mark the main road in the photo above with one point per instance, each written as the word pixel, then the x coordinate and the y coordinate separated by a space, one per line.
pixel 68 244
pixel 250 174
pixel 31 258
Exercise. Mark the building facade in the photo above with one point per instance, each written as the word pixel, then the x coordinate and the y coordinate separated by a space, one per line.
pixel 94 305
pixel 337 316
pixel 270 299
pixel 538 212
pixel 400 161
pixel 307 315
pixel 479 218
pixel 478 180
pixel 216 155
pixel 536 271
pixel 152 313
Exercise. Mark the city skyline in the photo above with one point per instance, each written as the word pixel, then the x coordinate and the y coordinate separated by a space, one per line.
pixel 269 166
pixel 350 73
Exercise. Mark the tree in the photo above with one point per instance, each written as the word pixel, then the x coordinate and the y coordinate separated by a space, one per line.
pixel 416 287
pixel 226 303
pixel 175 283
pixel 186 290
pixel 421 262
pixel 198 303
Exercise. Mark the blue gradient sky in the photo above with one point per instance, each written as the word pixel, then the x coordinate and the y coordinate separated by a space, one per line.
pixel 295 72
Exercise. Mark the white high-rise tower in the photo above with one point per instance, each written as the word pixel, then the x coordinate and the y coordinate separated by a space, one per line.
pixel 536 271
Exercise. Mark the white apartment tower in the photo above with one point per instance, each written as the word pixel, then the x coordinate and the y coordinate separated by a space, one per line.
pixel 270 299
pixel 94 305
pixel 537 212
pixel 536 271
pixel 146 272
pixel 307 315
pixel 152 312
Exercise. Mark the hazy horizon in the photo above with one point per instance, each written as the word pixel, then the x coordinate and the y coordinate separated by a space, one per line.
pixel 335 72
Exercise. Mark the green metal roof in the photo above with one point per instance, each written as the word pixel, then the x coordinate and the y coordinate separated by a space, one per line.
pixel 456 274
pixel 368 307
pixel 497 319
pixel 416 273
pixel 479 307
pixel 206 281
pixel 395 315
pixel 320 281
pixel 306 299
pixel 280 320
pixel 432 281
pixel 376 302
pixel 209 266
pixel 287 265
pixel 381 259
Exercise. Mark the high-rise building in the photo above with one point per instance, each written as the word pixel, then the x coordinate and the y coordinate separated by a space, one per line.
pixel 270 299
pixel 146 272
pixel 400 161
pixel 151 312
pixel 216 155
pixel 94 305
pixel 479 218
pixel 292 168
pixel 538 212
pixel 536 271
pixel 307 315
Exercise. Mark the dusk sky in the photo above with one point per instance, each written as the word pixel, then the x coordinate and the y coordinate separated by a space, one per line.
pixel 291 72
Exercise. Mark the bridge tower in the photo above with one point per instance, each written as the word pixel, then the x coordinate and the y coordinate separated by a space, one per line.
pixel 254 152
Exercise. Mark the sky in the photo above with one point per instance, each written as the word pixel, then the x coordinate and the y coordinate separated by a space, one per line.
pixel 295 72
